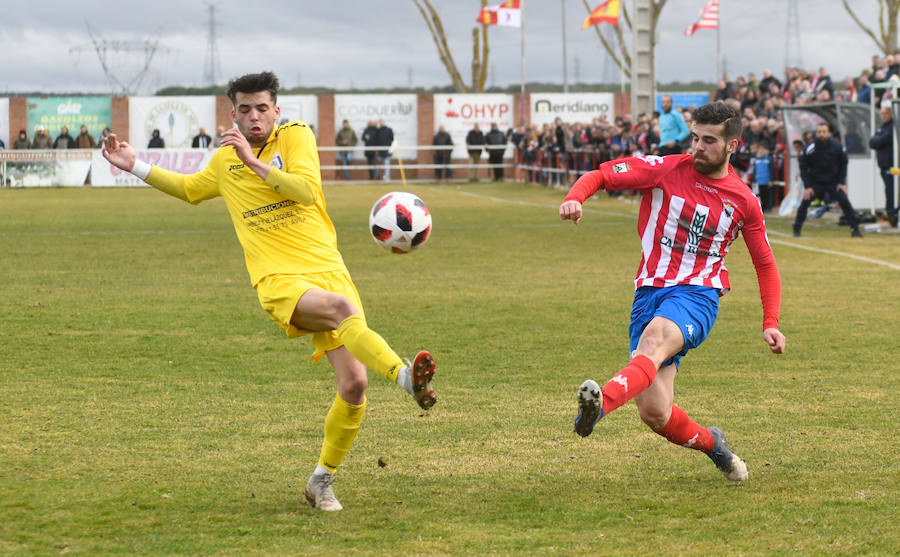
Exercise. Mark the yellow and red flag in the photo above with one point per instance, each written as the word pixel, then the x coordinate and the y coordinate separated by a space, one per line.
pixel 508 13
pixel 607 12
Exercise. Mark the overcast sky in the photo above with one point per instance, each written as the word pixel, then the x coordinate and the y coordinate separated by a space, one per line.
pixel 385 43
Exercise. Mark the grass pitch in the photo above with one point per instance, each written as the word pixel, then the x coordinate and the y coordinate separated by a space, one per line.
pixel 149 406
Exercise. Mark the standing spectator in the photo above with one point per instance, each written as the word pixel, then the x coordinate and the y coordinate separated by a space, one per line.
pixel 220 135
pixel 202 140
pixel 824 170
pixel 41 139
pixel 101 139
pixel 2 146
pixel 474 145
pixel 823 83
pixel 22 142
pixel 442 156
pixel 384 137
pixel 346 138
pixel 156 142
pixel 672 129
pixel 64 140
pixel 496 145
pixel 883 143
pixel 863 90
pixel 370 139
pixel 762 165
pixel 84 139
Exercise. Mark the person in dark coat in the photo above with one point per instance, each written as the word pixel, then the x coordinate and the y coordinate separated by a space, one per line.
pixel 384 137
pixel 156 142
pixel 442 156
pixel 474 146
pixel 370 139
pixel 823 168
pixel 883 144
pixel 496 145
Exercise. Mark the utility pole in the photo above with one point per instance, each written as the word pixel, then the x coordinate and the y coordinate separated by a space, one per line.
pixel 642 79
pixel 211 65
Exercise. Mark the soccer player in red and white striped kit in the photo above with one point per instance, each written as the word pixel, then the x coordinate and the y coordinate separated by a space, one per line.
pixel 693 207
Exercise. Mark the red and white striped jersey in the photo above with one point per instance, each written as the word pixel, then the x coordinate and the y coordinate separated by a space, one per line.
pixel 687 222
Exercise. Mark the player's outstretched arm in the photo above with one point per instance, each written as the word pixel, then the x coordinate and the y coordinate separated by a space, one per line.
pixel 122 155
pixel 570 210
pixel 775 340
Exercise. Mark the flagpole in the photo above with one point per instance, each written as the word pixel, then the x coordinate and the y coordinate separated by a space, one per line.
pixel 522 69
pixel 565 66
pixel 719 44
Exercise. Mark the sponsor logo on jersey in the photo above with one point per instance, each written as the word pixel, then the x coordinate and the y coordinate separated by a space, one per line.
pixel 704 187
pixel 621 167
pixel 233 167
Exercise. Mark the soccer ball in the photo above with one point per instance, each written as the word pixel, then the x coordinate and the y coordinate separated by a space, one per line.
pixel 400 222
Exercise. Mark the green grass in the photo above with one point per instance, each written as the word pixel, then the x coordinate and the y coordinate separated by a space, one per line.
pixel 149 406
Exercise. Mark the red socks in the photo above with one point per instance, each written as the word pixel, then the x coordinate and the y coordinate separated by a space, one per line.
pixel 628 383
pixel 684 431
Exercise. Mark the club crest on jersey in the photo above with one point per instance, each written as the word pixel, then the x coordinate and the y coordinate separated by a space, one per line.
pixel 277 162
pixel 621 167
pixel 728 206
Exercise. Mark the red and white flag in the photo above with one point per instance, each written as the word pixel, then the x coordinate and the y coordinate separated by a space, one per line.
pixel 508 13
pixel 708 18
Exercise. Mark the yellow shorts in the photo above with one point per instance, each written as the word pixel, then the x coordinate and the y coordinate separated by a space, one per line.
pixel 279 294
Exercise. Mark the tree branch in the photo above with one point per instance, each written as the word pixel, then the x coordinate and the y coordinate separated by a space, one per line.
pixel 865 29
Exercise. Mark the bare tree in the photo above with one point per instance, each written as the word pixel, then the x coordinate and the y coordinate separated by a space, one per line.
pixel 886 36
pixel 480 49
pixel 622 58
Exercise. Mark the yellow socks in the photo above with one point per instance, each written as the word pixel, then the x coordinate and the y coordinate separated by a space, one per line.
pixel 368 347
pixel 341 426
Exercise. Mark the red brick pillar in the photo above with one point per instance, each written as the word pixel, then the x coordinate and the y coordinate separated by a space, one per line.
pixel 425 117
pixel 223 112
pixel 327 135
pixel 121 124
pixel 18 119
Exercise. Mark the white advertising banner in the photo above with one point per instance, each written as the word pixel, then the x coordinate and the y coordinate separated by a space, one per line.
pixel 459 114
pixel 571 107
pixel 4 123
pixel 399 112
pixel 178 119
pixel 299 107
pixel 63 167
pixel 185 161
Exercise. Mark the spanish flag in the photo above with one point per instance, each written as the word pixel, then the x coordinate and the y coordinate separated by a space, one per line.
pixel 607 12
pixel 508 14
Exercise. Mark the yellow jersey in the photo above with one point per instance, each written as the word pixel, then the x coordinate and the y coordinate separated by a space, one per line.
pixel 278 235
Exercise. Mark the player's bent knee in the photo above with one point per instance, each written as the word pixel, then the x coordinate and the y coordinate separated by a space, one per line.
pixel 353 387
pixel 654 415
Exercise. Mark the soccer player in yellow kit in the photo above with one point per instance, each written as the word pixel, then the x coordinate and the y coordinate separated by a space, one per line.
pixel 269 178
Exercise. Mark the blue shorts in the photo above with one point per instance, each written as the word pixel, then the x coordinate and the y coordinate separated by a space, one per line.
pixel 692 308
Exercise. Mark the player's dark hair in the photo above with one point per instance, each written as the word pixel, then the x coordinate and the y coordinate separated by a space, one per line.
pixel 720 113
pixel 253 83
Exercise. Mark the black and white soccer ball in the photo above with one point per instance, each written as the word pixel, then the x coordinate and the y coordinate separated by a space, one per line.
pixel 400 222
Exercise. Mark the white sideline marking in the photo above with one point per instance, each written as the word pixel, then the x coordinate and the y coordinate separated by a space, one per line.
pixel 832 252
pixel 771 233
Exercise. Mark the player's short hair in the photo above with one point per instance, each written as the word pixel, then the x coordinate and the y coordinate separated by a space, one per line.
pixel 253 83
pixel 720 113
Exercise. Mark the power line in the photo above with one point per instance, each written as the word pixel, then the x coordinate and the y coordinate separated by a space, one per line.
pixel 110 52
